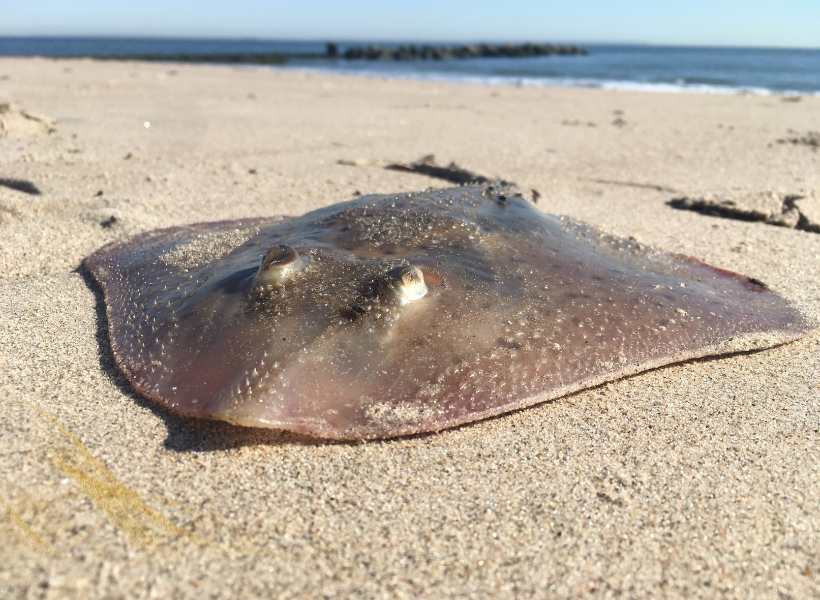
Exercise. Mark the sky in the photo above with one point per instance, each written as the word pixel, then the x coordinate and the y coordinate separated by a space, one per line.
pixel 695 22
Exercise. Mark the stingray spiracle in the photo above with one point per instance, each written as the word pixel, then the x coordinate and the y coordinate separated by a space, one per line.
pixel 406 284
pixel 279 265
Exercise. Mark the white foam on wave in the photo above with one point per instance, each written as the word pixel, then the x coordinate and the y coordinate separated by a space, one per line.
pixel 571 82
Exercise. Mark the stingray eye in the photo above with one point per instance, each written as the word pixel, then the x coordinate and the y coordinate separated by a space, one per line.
pixel 279 264
pixel 407 283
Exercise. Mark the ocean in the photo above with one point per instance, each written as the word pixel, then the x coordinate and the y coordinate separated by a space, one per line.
pixel 613 66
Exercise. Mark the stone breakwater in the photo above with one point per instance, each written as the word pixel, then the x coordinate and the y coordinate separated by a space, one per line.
pixel 369 52
pixel 426 52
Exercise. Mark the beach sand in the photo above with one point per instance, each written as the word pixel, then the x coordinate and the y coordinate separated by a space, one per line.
pixel 696 480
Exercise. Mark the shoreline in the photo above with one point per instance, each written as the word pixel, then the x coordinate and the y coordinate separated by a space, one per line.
pixel 649 67
pixel 681 87
pixel 560 82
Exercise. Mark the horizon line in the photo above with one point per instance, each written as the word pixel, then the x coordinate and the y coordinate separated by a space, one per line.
pixel 327 39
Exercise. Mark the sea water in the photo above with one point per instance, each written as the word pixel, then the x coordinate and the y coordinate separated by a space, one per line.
pixel 615 66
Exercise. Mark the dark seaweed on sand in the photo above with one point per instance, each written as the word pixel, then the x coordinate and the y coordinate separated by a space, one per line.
pixel 20 185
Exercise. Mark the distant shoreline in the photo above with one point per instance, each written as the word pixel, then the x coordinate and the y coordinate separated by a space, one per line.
pixel 616 66
pixel 364 42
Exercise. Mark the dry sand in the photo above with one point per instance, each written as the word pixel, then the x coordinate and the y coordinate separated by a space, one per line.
pixel 697 480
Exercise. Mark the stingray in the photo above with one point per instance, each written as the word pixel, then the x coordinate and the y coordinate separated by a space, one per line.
pixel 399 314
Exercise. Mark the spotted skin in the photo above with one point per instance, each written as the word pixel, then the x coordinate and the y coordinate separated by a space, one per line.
pixel 515 307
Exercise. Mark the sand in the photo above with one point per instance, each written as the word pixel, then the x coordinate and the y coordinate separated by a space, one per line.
pixel 696 480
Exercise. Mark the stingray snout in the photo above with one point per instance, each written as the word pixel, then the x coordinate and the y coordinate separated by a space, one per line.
pixel 279 265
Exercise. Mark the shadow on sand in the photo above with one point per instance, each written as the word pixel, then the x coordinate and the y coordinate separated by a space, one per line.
pixel 184 434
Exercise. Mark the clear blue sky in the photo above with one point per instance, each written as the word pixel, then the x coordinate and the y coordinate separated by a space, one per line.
pixel 732 22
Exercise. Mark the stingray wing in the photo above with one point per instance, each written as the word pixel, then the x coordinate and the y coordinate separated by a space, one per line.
pixel 521 307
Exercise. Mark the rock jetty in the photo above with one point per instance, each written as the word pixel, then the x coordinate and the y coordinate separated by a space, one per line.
pixel 425 52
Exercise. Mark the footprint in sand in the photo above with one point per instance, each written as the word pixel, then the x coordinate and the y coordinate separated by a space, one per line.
pixel 810 139
pixel 17 122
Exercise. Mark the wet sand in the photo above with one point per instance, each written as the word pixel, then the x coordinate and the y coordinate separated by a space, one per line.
pixel 696 480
